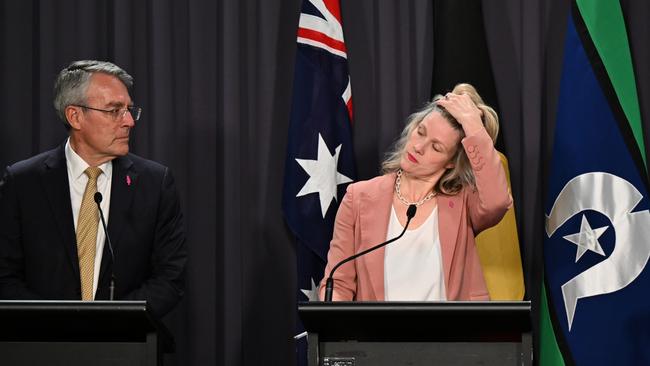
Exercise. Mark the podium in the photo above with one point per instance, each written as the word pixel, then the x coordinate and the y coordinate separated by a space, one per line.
pixel 418 333
pixel 72 333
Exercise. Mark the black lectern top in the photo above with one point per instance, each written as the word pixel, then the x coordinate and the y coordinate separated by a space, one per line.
pixel 90 321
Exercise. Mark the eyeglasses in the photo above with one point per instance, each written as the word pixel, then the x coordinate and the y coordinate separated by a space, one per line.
pixel 117 113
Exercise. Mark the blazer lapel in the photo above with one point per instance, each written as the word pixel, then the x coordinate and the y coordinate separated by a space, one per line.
pixel 374 215
pixel 449 213
pixel 123 185
pixel 55 181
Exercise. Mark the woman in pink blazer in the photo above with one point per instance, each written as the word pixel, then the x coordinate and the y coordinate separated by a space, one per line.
pixel 444 163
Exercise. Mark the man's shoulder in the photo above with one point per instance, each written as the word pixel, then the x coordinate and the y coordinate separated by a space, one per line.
pixel 142 166
pixel 142 163
pixel 37 162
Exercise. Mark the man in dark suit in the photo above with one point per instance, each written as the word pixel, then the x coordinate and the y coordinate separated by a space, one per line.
pixel 52 244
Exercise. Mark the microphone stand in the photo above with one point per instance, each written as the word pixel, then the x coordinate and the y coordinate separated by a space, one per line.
pixel 111 289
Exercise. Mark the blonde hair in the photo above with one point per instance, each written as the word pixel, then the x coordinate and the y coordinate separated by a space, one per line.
pixel 453 179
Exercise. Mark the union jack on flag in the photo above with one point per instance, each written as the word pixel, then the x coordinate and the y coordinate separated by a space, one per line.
pixel 320 158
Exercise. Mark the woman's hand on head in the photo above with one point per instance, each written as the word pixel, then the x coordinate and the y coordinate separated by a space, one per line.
pixel 463 109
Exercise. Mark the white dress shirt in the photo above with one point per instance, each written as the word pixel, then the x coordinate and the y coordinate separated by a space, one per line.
pixel 413 264
pixel 78 180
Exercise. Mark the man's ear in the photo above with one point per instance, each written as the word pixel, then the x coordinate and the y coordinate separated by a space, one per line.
pixel 72 114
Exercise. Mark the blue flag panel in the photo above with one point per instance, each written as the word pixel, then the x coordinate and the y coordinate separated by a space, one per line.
pixel 320 159
pixel 597 226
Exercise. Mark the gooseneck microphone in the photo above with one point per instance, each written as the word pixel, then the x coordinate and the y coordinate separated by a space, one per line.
pixel 329 284
pixel 98 199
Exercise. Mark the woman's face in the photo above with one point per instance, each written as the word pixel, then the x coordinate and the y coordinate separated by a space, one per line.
pixel 430 147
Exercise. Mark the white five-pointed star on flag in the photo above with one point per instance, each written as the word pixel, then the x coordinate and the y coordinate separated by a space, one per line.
pixel 587 238
pixel 323 175
pixel 312 293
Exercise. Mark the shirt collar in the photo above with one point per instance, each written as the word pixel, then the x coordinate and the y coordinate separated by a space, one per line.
pixel 77 166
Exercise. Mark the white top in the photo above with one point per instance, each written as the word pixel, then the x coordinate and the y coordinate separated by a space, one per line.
pixel 413 264
pixel 78 180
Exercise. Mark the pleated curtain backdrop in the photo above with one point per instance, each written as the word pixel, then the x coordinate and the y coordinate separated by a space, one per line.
pixel 214 81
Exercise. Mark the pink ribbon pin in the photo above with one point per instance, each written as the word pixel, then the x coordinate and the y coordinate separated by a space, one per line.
pixel 128 180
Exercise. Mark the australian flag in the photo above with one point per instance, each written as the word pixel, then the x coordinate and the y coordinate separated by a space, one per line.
pixel 320 159
pixel 598 220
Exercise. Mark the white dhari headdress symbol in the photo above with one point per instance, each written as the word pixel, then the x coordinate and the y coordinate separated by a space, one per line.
pixel 615 198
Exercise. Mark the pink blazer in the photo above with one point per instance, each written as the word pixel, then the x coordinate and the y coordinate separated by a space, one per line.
pixel 362 222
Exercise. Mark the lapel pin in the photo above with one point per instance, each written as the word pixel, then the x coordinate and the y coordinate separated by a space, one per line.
pixel 128 180
pixel 451 204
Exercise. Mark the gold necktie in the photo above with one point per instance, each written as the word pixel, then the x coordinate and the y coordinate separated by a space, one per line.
pixel 87 234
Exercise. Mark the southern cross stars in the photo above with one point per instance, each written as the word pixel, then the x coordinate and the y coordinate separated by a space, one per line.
pixel 323 175
pixel 587 239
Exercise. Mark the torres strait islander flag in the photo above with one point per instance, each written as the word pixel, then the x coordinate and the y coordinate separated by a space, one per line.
pixel 595 304
pixel 320 159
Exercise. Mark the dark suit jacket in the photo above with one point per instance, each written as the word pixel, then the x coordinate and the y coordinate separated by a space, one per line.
pixel 38 252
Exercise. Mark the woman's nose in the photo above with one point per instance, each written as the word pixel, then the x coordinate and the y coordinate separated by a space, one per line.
pixel 418 148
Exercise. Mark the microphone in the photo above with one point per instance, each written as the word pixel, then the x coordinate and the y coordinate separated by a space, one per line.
pixel 98 199
pixel 329 284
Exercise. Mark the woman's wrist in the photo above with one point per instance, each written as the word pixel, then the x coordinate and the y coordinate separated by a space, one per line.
pixel 473 126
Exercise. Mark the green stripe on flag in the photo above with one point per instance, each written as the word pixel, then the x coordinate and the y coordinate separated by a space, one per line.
pixel 604 19
pixel 549 352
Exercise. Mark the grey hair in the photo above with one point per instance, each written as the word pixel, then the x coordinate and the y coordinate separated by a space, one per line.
pixel 72 83
pixel 453 179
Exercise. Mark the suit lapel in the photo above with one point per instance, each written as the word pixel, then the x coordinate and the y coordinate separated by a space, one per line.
pixel 374 214
pixel 55 181
pixel 449 212
pixel 123 185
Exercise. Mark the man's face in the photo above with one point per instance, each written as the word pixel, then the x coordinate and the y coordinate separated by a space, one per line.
pixel 100 136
